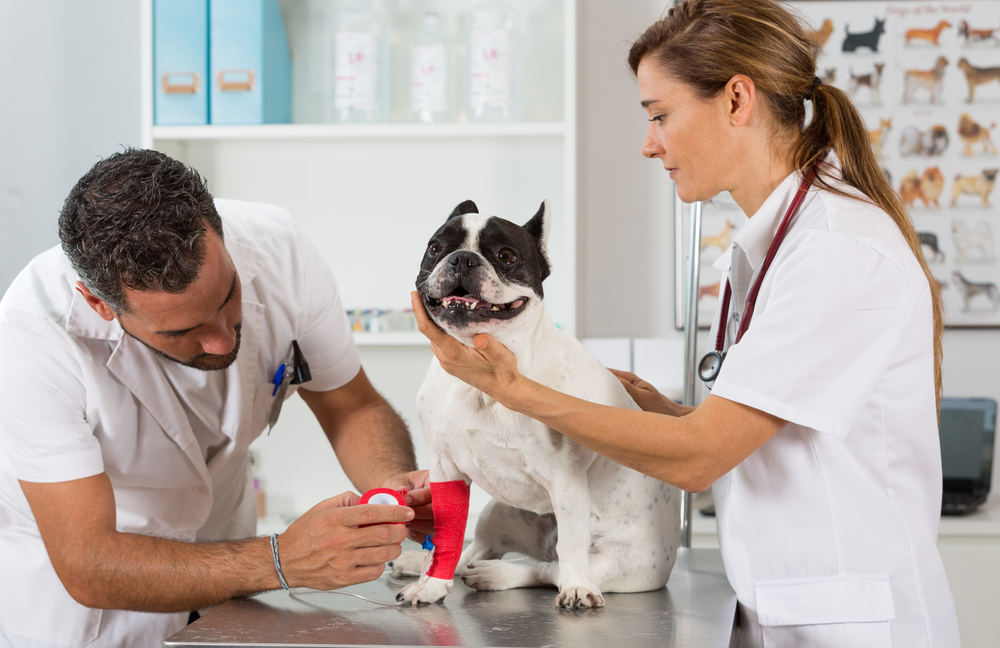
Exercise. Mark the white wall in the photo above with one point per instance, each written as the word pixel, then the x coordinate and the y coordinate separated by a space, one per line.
pixel 70 79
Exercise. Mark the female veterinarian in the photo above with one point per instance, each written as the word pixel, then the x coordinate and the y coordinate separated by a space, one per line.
pixel 820 433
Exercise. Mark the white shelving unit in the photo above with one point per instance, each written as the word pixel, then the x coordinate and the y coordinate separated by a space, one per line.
pixel 371 195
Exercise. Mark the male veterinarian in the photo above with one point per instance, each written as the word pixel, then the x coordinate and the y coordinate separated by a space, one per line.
pixel 137 368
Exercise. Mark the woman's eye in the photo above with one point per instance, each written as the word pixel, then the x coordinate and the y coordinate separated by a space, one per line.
pixel 434 249
pixel 507 256
pixel 656 118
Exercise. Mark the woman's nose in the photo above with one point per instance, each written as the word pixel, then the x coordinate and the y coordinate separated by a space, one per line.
pixel 651 148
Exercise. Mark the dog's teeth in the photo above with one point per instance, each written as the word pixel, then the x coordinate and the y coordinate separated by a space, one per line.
pixel 495 308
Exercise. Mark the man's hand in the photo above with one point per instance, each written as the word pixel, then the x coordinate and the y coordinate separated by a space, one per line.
pixel 324 549
pixel 647 397
pixel 417 487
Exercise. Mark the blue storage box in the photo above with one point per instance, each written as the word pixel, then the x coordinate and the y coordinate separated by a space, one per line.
pixel 180 62
pixel 250 64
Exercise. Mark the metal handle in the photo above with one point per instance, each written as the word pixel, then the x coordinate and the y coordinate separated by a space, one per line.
pixel 180 82
pixel 235 80
pixel 690 336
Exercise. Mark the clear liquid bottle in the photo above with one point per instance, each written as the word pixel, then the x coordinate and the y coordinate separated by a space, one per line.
pixel 360 51
pixel 430 72
pixel 494 62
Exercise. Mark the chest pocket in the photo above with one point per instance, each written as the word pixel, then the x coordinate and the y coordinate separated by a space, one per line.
pixel 844 611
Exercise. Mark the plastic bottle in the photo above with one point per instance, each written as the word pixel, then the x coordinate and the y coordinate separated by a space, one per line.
pixel 360 64
pixel 494 62
pixel 430 72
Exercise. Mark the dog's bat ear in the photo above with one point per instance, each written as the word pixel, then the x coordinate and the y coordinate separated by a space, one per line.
pixel 539 227
pixel 463 208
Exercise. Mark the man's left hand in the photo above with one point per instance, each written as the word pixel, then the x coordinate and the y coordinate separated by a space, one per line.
pixel 417 485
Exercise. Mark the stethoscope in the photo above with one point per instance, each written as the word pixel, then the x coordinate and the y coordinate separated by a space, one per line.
pixel 711 362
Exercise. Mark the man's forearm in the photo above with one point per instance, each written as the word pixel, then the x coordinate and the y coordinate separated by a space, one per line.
pixel 373 445
pixel 134 572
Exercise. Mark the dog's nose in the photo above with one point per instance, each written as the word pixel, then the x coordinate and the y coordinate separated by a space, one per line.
pixel 464 259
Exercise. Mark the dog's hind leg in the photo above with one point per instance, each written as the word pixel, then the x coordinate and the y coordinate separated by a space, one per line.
pixel 504 529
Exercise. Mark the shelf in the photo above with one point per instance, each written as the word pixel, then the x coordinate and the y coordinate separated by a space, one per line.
pixel 405 338
pixel 356 131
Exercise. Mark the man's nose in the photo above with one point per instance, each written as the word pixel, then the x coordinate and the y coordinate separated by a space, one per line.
pixel 219 341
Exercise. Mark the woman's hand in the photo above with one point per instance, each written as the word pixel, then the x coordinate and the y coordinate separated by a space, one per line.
pixel 487 365
pixel 647 397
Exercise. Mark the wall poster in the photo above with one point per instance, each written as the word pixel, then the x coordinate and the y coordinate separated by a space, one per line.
pixel 926 78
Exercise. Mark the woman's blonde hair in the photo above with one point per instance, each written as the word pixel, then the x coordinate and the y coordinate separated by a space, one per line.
pixel 704 43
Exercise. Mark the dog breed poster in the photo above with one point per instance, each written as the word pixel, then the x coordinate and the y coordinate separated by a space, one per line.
pixel 926 79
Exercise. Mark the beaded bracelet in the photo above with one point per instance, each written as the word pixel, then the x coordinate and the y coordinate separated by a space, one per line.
pixel 277 564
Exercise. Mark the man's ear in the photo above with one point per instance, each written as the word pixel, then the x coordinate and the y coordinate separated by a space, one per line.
pixel 95 302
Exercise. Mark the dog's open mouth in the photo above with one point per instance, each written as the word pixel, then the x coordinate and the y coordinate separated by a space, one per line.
pixel 461 303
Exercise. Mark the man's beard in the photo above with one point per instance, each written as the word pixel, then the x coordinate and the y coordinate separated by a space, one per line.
pixel 202 361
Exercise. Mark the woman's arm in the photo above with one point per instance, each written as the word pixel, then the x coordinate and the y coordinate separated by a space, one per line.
pixel 690 451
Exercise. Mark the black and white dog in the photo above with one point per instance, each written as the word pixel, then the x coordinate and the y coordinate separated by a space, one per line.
pixel 594 525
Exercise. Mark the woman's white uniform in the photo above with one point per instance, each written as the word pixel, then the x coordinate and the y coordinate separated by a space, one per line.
pixel 78 398
pixel 828 531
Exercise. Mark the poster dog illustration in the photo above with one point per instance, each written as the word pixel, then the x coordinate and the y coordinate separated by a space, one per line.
pixel 872 81
pixel 970 289
pixel 977 239
pixel 976 35
pixel 926 187
pixel 929 35
pixel 977 76
pixel 880 134
pixel 865 39
pixel 973 133
pixel 930 241
pixel 932 141
pixel 980 185
pixel 931 80
pixel 821 35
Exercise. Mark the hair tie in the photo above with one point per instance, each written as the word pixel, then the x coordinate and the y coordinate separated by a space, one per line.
pixel 812 89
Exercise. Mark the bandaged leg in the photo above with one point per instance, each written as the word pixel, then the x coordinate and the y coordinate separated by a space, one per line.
pixel 450 502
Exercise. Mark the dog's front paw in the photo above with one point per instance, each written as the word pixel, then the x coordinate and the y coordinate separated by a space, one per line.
pixel 426 590
pixel 409 563
pixel 579 597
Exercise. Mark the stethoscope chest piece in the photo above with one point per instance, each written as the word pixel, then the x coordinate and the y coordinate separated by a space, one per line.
pixel 710 366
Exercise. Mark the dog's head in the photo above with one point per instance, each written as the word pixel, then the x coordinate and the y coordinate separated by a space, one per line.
pixel 483 274
pixel 990 174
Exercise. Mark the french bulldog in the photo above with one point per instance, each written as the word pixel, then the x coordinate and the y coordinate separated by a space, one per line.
pixel 592 524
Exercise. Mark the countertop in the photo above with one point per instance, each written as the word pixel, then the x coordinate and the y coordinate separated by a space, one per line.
pixel 697 608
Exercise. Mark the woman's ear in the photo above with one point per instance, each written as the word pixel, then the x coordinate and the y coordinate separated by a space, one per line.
pixel 741 95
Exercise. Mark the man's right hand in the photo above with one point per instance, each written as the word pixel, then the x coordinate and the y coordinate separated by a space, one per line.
pixel 324 549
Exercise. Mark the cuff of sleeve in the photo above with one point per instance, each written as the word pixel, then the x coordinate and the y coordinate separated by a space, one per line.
pixel 57 468
pixel 751 398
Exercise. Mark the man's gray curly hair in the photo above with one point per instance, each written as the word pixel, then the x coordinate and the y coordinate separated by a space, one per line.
pixel 137 220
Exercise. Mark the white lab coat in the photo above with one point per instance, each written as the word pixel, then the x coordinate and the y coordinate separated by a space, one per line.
pixel 78 397
pixel 828 530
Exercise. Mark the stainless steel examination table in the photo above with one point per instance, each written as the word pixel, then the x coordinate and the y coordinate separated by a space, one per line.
pixel 697 608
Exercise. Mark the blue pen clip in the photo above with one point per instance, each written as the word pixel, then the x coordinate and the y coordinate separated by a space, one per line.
pixel 279 375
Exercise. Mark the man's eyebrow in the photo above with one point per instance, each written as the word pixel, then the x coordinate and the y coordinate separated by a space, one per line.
pixel 232 291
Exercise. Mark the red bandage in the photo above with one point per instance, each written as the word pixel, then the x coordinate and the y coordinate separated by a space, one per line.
pixel 382 496
pixel 450 501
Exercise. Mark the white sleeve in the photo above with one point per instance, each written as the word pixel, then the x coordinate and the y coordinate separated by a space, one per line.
pixel 816 350
pixel 324 331
pixel 44 432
